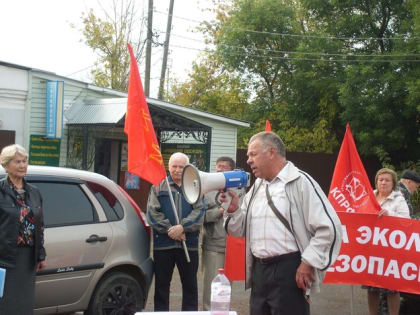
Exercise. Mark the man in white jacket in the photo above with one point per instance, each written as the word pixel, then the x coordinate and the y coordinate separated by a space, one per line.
pixel 292 232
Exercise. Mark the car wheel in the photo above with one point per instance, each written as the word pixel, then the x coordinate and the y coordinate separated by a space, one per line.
pixel 118 294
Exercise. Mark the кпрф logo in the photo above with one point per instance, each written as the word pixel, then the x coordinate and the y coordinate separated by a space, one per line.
pixel 355 188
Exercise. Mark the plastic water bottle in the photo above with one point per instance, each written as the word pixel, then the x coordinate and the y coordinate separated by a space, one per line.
pixel 220 294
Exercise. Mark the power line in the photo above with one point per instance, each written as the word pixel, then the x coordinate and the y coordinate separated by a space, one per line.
pixel 299 52
pixel 81 70
pixel 296 58
pixel 178 17
pixel 299 35
pixel 324 37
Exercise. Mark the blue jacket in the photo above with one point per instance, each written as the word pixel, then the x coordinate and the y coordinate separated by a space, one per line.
pixel 160 216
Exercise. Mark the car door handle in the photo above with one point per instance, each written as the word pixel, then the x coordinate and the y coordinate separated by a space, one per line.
pixel 95 238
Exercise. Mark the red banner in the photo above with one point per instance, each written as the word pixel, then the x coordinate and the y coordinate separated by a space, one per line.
pixel 350 189
pixel 380 252
pixel 144 157
pixel 235 258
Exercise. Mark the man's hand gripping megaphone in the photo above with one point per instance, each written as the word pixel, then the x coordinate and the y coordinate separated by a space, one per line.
pixel 228 199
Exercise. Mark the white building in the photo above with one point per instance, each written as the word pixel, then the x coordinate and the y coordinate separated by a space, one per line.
pixel 92 135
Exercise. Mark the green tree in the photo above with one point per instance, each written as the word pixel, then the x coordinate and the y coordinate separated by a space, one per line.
pixel 108 37
pixel 300 104
pixel 378 93
pixel 246 44
pixel 311 66
pixel 211 88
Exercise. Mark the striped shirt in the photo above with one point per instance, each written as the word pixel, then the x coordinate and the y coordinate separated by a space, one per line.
pixel 268 235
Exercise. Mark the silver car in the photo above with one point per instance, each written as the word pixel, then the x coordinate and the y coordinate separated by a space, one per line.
pixel 97 242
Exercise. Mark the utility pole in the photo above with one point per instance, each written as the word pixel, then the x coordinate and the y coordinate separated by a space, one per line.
pixel 148 48
pixel 165 50
pixel 167 80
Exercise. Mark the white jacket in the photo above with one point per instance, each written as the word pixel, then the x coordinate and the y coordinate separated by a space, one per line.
pixel 313 220
pixel 395 205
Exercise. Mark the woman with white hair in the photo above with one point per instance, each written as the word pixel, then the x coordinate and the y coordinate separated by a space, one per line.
pixel 22 251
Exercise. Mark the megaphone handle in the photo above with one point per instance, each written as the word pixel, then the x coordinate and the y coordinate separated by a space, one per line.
pixel 184 245
pixel 219 203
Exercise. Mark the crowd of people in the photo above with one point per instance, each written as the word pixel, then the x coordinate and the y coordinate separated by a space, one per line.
pixel 292 232
pixel 395 200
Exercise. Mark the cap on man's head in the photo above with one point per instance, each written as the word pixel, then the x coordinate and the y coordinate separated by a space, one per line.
pixel 409 174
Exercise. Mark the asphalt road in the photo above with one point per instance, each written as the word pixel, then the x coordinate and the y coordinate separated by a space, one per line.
pixel 239 299
pixel 333 299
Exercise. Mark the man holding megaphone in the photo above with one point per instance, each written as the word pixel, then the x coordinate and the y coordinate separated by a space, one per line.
pixel 292 232
pixel 214 234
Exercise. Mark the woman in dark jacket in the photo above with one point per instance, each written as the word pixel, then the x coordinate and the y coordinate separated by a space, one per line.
pixel 22 250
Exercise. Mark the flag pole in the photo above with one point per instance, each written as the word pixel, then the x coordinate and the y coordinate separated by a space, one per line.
pixel 187 256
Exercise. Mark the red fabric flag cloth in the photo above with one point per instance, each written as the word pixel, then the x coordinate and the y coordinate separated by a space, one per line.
pixel 235 258
pixel 350 189
pixel 267 125
pixel 144 157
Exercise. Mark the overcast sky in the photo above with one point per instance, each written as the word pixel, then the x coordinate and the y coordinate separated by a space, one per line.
pixel 38 34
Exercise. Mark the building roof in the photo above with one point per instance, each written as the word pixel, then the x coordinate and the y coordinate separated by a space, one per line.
pixel 112 111
pixel 96 112
pixel 53 76
pixel 202 113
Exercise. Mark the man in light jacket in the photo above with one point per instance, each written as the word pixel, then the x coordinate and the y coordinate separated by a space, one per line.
pixel 292 232
pixel 214 236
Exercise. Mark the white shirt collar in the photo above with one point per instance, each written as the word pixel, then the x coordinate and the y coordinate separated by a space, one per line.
pixel 282 175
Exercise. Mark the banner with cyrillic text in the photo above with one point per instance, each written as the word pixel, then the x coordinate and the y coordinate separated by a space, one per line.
pixel 381 252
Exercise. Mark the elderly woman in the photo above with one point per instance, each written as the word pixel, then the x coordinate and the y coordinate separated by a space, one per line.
pixel 392 203
pixel 22 251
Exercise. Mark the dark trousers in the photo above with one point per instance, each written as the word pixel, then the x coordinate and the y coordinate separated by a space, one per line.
pixel 19 288
pixel 165 261
pixel 274 289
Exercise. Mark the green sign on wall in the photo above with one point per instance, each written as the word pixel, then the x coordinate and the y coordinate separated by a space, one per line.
pixel 196 152
pixel 43 151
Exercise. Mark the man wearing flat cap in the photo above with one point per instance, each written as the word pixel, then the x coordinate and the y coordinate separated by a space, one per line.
pixel 409 183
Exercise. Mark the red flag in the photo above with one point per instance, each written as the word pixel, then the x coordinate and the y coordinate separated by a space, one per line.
pixel 144 157
pixel 267 125
pixel 235 258
pixel 350 189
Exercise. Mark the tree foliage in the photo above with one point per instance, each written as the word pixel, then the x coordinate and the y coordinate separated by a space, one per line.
pixel 213 89
pixel 374 93
pixel 311 66
pixel 108 37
